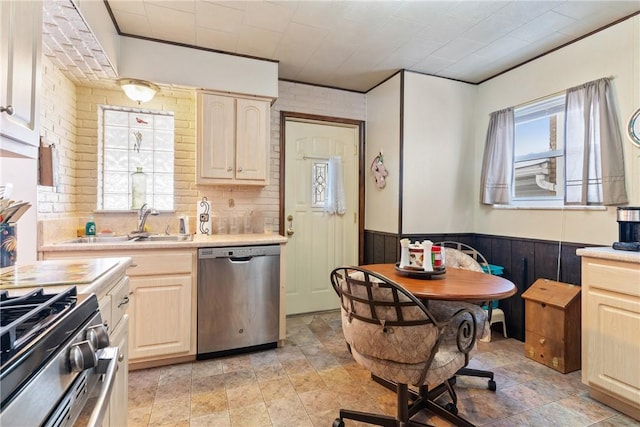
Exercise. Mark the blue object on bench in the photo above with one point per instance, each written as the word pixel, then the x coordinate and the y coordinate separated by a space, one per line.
pixel 496 270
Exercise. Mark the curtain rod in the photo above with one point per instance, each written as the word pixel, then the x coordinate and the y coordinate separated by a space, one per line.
pixel 540 98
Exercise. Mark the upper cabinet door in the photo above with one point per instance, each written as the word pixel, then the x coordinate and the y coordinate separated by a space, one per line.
pixel 217 134
pixel 252 139
pixel 20 68
pixel 233 140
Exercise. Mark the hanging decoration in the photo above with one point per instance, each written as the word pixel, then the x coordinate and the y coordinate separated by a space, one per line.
pixel 379 170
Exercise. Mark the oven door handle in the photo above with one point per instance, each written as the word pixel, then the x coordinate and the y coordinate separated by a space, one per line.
pixel 107 356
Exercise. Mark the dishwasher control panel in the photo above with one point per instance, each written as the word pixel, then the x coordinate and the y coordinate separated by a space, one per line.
pixel 239 252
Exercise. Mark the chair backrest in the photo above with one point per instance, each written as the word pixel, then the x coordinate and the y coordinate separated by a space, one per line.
pixel 382 321
pixel 457 254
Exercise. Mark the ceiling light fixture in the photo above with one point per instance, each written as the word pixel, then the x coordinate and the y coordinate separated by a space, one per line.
pixel 138 90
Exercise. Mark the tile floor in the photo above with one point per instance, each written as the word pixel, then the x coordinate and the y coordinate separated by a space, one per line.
pixel 308 380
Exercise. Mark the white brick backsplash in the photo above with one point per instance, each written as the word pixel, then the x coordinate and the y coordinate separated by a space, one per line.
pixel 70 120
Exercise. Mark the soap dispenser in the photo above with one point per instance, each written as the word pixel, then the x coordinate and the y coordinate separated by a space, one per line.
pixel 90 227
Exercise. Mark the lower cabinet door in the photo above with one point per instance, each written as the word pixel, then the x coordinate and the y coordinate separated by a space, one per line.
pixel 160 311
pixel 118 405
pixel 612 353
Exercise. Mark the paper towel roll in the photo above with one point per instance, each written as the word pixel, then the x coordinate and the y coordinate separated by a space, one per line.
pixel 204 217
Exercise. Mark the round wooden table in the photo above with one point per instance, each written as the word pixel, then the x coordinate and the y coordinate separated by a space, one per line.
pixel 454 285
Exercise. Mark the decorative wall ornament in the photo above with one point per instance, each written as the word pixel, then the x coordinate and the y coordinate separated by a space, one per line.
pixel 379 170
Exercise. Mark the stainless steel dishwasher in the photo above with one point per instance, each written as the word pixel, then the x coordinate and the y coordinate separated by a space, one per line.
pixel 238 299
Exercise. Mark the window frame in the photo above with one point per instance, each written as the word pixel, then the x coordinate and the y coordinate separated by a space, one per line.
pixel 541 108
pixel 154 173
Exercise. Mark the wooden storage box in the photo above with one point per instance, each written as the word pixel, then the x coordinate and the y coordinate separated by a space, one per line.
pixel 552 324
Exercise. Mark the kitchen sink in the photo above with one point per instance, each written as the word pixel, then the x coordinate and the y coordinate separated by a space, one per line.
pixel 98 239
pixel 137 239
pixel 167 238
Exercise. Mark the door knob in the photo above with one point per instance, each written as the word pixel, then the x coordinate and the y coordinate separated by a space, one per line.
pixel 290 228
pixel 8 109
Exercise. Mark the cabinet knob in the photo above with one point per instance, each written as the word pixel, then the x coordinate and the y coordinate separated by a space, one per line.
pixel 8 109
pixel 229 168
pixel 240 169
pixel 542 340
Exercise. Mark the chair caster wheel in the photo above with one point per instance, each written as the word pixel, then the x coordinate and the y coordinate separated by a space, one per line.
pixel 337 423
pixel 451 408
pixel 492 385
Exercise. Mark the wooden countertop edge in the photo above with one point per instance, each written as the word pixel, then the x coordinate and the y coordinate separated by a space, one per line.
pixel 610 254
pixel 199 241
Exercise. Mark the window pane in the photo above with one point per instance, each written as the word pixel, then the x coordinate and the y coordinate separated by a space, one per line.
pixel 115 160
pixel 163 162
pixel 536 178
pixel 164 140
pixel 319 183
pixel 116 182
pixel 538 168
pixel 533 137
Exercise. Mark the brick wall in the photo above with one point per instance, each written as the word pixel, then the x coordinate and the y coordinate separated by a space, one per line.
pixel 58 127
pixel 78 197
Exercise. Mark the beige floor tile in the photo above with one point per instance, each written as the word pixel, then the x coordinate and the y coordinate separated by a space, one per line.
pixel 138 417
pixel 239 378
pixel 207 384
pixel 306 381
pixel 178 389
pixel 216 419
pixel 206 368
pixel 244 396
pixel 250 416
pixel 286 408
pixel 277 389
pixel 208 403
pixel 321 400
pixel 170 411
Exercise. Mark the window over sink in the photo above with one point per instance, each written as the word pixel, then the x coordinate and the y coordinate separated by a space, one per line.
pixel 135 158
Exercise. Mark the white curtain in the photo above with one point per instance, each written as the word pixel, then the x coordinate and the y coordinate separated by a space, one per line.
pixel 594 161
pixel 497 170
pixel 334 201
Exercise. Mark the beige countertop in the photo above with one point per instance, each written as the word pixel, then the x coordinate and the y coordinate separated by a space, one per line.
pixel 88 275
pixel 198 241
pixel 610 253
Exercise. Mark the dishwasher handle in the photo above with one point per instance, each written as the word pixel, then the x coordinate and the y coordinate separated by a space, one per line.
pixel 240 259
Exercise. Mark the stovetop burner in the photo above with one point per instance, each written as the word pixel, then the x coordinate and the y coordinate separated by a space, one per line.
pixel 33 328
pixel 24 318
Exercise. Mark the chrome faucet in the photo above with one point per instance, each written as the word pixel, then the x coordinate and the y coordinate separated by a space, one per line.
pixel 144 211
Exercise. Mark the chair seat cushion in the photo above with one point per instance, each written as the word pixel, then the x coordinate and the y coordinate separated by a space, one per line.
pixel 447 361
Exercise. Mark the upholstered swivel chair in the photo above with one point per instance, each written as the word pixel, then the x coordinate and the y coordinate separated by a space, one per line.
pixel 393 335
pixel 477 263
pixel 460 255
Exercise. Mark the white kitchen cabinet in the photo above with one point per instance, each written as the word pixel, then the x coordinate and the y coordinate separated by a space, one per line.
pixel 611 332
pixel 161 307
pixel 233 140
pixel 20 68
pixel 161 302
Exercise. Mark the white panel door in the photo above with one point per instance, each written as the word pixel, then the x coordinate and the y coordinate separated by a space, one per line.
pixel 320 241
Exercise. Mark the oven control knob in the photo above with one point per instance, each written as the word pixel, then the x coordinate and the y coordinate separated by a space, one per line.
pixel 98 336
pixel 82 356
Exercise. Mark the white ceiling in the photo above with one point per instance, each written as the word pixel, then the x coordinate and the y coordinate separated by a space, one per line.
pixel 355 45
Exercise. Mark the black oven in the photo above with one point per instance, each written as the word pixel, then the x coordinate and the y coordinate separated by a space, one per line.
pixel 55 356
